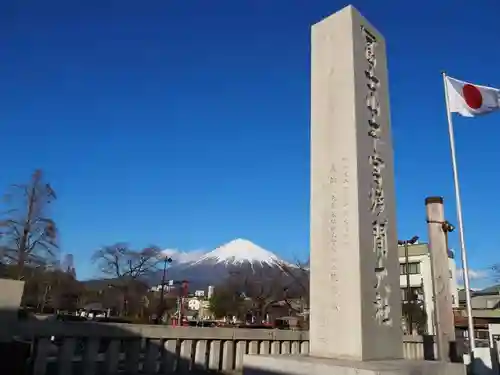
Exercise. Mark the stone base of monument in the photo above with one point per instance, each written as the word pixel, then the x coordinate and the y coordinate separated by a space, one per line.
pixel 10 301
pixel 307 365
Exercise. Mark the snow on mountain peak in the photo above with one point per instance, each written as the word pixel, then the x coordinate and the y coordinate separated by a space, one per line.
pixel 182 257
pixel 239 251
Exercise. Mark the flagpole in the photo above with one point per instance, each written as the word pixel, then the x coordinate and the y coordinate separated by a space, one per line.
pixel 465 266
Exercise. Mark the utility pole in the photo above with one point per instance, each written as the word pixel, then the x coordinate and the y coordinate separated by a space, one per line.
pixel 409 294
pixel 183 295
pixel 166 261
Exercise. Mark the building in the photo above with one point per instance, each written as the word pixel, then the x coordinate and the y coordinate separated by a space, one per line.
pixel 169 286
pixel 200 306
pixel 485 305
pixel 166 288
pixel 194 304
pixel 419 268
pixel 211 291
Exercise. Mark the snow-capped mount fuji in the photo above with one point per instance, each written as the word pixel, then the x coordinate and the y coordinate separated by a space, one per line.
pixel 238 252
pixel 212 267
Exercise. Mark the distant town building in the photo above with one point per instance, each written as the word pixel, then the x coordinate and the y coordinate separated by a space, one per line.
pixel 211 290
pixel 201 308
pixel 68 265
pixel 157 288
pixel 194 304
pixel 199 293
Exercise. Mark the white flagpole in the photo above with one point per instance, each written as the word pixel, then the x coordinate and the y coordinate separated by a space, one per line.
pixel 465 267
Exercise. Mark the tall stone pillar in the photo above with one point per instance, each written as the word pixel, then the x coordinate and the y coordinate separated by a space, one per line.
pixel 355 304
pixel 440 267
pixel 355 291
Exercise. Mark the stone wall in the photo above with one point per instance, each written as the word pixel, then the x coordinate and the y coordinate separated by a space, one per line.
pixel 106 347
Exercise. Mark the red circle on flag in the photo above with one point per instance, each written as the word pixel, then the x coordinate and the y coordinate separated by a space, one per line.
pixel 472 96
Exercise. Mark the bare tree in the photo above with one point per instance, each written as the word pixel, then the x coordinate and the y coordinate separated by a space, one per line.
pixel 119 261
pixel 256 290
pixel 262 287
pixel 28 235
pixel 227 302
pixel 297 288
pixel 127 268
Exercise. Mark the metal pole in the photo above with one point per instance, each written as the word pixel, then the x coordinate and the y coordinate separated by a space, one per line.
pixel 162 296
pixel 465 266
pixel 409 298
pixel 163 281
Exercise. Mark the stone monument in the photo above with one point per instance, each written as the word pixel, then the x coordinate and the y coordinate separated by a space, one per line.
pixel 10 302
pixel 355 321
pixel 355 292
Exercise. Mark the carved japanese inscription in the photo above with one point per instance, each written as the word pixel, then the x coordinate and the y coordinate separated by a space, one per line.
pixel 376 190
pixel 333 243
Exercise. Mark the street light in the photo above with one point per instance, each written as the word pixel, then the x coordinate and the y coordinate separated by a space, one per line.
pixel 447 228
pixel 409 295
pixel 166 261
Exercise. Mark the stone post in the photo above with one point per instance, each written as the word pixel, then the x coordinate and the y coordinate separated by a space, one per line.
pixel 11 293
pixel 440 268
pixel 355 297
pixel 355 292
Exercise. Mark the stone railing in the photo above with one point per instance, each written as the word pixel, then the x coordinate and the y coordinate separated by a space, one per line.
pixel 91 348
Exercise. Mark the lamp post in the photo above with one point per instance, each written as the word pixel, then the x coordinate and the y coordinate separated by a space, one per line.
pixel 409 296
pixel 447 228
pixel 166 261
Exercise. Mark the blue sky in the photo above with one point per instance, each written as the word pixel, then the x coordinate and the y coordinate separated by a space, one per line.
pixel 186 123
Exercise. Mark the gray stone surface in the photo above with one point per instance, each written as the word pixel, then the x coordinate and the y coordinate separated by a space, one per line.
pixel 355 292
pixel 11 292
pixel 443 308
pixel 305 365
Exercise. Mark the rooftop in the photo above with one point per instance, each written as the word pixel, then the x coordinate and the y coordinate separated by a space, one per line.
pixel 414 250
pixel 418 249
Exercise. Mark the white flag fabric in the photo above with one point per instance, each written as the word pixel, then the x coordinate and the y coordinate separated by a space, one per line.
pixel 471 100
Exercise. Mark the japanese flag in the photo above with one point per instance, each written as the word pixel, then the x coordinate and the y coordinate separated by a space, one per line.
pixel 471 100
